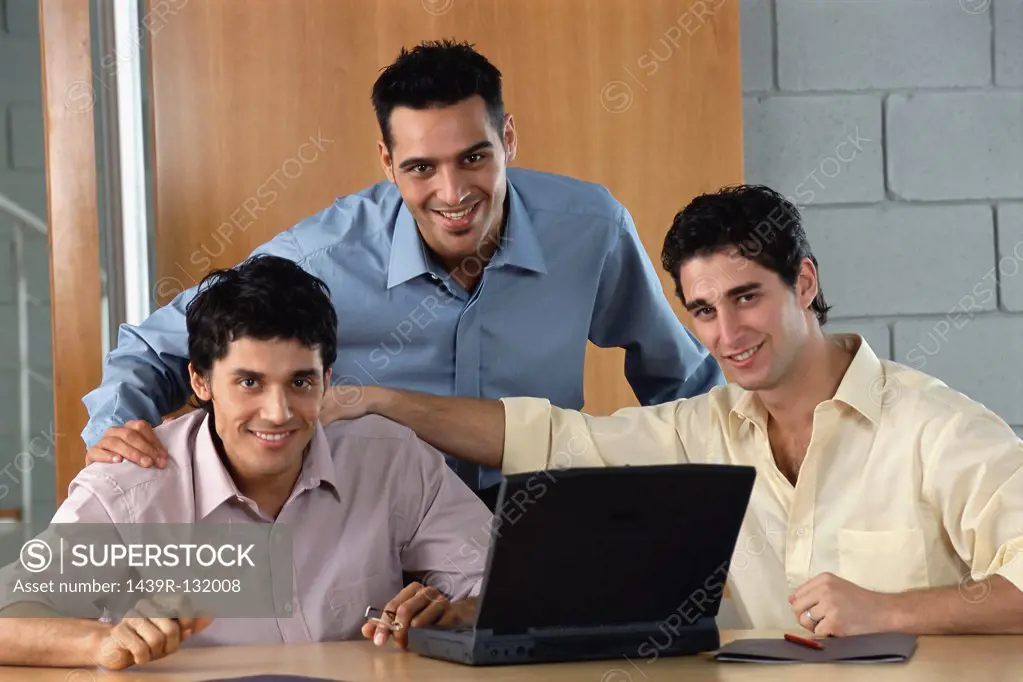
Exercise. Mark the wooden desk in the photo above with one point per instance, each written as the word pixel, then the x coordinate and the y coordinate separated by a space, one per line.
pixel 955 659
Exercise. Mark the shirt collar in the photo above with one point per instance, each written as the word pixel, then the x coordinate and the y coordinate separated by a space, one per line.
pixel 862 386
pixel 213 484
pixel 408 253
pixel 519 245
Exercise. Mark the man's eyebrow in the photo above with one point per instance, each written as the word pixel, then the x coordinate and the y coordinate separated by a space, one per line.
pixel 247 373
pixel 731 293
pixel 253 374
pixel 424 161
pixel 742 289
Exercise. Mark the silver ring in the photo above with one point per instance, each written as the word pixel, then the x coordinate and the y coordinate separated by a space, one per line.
pixel 812 619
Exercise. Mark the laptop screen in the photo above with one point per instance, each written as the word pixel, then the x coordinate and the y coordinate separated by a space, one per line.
pixel 612 546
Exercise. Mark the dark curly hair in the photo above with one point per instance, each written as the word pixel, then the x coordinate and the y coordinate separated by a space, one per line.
pixel 437 73
pixel 265 298
pixel 762 224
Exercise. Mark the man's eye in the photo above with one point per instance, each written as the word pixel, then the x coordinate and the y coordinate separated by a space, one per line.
pixel 473 158
pixel 248 383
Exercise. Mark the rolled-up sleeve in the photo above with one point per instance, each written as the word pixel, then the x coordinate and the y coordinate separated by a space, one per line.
pixel 538 436
pixel 450 526
pixel 975 479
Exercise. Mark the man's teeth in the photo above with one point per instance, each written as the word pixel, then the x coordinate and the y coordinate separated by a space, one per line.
pixel 745 355
pixel 456 215
pixel 271 436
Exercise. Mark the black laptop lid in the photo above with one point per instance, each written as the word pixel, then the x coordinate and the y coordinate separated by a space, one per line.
pixel 612 546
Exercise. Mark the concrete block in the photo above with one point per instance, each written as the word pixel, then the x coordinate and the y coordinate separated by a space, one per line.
pixel 27 137
pixel 816 150
pixel 895 260
pixel 978 356
pixel 956 145
pixel 828 45
pixel 1008 42
pixel 757 36
pixel 1010 255
pixel 876 334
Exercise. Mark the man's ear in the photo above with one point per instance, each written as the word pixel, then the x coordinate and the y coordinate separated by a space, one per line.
pixel 806 283
pixel 386 161
pixel 511 138
pixel 199 384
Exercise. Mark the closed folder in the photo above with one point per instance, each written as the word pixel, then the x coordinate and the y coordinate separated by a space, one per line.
pixel 271 678
pixel 886 647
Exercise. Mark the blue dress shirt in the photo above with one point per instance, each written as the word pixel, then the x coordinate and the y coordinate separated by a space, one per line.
pixel 570 268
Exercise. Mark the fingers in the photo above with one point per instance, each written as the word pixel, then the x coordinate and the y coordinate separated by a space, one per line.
pixel 176 606
pixel 201 624
pixel 425 598
pixel 435 609
pixel 162 634
pixel 135 441
pixel 409 603
pixel 460 612
pixel 128 639
pixel 381 634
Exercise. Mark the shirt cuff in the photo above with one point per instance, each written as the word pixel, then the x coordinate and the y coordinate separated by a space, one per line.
pixel 1010 562
pixel 527 435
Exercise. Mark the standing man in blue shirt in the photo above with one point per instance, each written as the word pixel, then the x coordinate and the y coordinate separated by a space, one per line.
pixel 457 276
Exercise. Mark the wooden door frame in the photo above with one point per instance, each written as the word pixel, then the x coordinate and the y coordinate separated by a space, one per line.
pixel 73 222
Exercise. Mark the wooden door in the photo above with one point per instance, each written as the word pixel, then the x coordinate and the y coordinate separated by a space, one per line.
pixel 261 113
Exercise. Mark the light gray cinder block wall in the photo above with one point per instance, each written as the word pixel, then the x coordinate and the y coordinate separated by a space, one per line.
pixel 897 127
pixel 23 179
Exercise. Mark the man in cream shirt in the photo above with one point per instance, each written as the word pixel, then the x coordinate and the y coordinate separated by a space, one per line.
pixel 884 500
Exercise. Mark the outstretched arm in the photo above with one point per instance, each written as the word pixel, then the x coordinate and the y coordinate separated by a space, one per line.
pixel 520 434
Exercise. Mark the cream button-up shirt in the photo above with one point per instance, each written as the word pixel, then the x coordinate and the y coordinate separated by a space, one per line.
pixel 906 484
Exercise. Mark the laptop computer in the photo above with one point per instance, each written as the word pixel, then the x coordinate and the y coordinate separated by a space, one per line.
pixel 590 564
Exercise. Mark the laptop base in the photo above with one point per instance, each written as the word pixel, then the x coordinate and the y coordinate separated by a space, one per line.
pixel 485 647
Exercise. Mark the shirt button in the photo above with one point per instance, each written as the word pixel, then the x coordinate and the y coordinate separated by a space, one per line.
pixel 800 532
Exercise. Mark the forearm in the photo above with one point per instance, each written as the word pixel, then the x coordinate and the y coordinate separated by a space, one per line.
pixel 467 428
pixel 991 606
pixel 29 640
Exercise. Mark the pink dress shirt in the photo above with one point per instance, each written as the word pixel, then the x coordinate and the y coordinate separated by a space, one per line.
pixel 372 501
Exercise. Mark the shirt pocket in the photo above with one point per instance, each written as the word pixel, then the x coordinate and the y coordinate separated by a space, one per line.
pixel 345 598
pixel 344 609
pixel 884 560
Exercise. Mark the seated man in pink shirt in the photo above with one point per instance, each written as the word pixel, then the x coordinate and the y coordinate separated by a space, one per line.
pixel 363 500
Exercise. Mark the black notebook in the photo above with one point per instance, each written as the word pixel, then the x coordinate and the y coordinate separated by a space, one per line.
pixel 272 678
pixel 883 647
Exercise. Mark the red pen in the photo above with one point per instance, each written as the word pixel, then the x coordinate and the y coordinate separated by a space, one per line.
pixel 812 643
